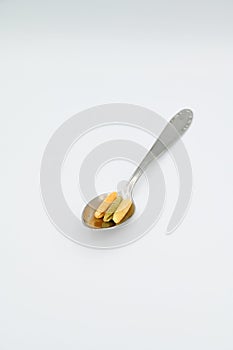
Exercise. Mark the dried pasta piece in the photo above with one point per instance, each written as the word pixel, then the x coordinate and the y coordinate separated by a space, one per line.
pixel 111 210
pixel 122 210
pixel 105 204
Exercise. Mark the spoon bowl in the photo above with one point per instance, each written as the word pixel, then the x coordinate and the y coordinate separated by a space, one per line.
pixel 91 221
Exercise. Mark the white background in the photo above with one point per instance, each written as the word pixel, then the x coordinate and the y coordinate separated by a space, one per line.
pixel 167 292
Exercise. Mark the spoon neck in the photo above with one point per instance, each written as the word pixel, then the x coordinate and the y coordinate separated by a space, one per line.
pixel 133 179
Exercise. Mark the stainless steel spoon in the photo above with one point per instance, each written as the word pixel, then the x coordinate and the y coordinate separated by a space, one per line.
pixel 170 134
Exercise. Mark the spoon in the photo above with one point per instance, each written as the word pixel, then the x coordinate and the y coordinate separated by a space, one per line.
pixel 170 134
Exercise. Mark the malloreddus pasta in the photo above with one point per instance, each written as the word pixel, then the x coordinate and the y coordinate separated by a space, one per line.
pixel 113 208
pixel 105 204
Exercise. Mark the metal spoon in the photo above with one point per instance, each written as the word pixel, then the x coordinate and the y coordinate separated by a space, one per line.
pixel 170 134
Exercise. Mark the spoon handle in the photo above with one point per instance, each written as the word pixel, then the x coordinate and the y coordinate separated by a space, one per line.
pixel 170 134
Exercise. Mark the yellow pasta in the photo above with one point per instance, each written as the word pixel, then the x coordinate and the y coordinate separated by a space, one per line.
pixel 105 204
pixel 122 210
